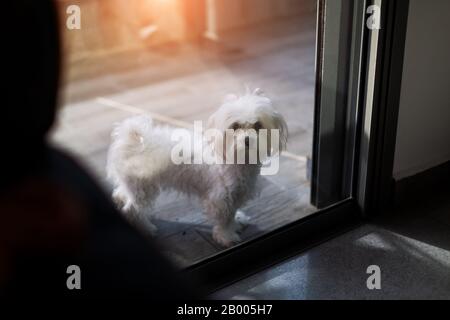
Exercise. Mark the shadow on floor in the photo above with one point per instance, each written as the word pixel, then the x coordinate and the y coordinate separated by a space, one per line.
pixel 412 250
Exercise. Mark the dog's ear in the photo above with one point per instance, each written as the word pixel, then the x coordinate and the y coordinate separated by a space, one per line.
pixel 280 124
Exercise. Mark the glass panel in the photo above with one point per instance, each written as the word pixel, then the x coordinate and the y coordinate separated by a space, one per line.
pixel 190 64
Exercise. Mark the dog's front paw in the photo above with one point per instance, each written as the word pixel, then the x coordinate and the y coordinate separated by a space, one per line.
pixel 226 237
pixel 242 218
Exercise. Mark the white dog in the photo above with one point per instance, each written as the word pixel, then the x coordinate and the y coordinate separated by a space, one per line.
pixel 140 163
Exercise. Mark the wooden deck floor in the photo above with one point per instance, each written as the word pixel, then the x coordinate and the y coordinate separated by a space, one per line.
pixel 183 83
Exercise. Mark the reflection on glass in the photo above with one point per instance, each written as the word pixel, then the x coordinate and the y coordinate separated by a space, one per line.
pixel 178 62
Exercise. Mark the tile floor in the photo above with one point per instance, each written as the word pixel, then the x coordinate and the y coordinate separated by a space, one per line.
pixel 412 250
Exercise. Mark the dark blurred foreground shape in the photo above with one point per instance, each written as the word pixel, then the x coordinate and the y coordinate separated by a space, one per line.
pixel 52 213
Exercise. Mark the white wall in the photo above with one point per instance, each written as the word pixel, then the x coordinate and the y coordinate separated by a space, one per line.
pixel 423 136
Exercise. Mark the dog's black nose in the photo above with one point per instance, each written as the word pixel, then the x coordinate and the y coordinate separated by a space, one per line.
pixel 247 141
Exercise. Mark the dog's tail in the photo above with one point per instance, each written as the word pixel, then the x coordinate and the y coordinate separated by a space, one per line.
pixel 138 148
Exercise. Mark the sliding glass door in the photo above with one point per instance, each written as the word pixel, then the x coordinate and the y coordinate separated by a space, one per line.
pixel 298 66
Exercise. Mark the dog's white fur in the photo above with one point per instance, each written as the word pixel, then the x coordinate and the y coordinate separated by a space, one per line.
pixel 139 165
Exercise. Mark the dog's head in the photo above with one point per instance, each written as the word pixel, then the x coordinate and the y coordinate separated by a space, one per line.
pixel 248 127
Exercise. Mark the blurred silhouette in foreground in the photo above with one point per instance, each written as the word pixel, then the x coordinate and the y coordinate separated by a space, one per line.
pixel 52 214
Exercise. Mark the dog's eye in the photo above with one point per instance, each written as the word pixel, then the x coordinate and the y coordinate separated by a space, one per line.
pixel 257 125
pixel 235 126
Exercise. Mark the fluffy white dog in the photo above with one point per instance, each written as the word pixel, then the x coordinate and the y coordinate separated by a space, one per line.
pixel 140 163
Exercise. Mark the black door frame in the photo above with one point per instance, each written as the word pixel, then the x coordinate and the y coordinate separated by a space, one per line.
pixel 340 46
pixel 374 191
pixel 376 96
